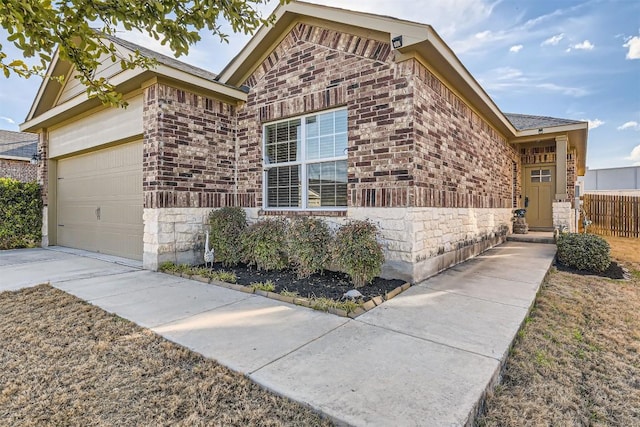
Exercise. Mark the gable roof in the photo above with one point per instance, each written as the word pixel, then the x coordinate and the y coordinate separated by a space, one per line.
pixel 526 122
pixel 45 112
pixel 20 145
pixel 418 39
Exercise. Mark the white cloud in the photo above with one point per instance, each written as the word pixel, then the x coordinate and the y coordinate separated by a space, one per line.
pixel 585 45
pixel 8 120
pixel 516 48
pixel 635 155
pixel 565 90
pixel 498 34
pixel 595 123
pixel 553 40
pixel 634 47
pixel 513 80
pixel 507 73
pixel 449 18
pixel 632 125
pixel 483 35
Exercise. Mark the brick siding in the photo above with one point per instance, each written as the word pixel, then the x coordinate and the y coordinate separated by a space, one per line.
pixel 572 175
pixel 412 141
pixel 21 170
pixel 460 160
pixel 189 149
pixel 314 69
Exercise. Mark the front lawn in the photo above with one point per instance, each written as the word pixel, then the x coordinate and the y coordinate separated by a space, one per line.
pixel 66 362
pixel 576 361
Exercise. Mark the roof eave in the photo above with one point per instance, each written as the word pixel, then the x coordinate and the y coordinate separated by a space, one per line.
pixel 419 38
pixel 56 68
pixel 127 81
pixel 444 61
pixel 286 15
pixel 578 134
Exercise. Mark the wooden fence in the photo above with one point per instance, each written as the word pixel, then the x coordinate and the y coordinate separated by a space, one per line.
pixel 613 215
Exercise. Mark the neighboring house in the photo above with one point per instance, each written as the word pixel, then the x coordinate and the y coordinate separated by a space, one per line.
pixel 327 112
pixel 16 151
pixel 623 180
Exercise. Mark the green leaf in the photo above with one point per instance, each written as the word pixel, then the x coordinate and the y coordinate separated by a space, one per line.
pixel 38 28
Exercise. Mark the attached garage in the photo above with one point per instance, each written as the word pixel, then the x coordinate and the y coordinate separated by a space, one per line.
pixel 99 201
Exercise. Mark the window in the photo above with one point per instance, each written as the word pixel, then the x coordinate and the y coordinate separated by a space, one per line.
pixel 541 175
pixel 306 162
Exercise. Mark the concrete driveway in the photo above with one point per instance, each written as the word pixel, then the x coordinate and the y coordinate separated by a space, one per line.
pixel 425 357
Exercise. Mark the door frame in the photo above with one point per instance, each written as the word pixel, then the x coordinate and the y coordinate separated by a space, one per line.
pixel 526 184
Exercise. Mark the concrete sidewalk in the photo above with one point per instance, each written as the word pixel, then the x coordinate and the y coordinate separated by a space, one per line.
pixel 423 358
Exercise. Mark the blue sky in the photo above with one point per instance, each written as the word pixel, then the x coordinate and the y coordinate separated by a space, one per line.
pixel 571 59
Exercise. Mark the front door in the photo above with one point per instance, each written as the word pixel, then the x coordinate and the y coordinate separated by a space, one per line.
pixel 539 184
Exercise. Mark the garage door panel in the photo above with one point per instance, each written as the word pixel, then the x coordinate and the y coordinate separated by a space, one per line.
pixel 100 201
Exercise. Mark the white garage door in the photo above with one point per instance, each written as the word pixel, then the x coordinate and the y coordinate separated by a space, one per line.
pixel 100 201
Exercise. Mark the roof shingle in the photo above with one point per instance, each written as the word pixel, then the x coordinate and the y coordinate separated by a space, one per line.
pixel 525 121
pixel 162 59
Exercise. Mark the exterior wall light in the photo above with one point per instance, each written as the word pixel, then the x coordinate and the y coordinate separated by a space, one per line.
pixel 35 159
pixel 397 42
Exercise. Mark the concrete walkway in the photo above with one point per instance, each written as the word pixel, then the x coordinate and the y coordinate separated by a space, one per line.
pixel 423 358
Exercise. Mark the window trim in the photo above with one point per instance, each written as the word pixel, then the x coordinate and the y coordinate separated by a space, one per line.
pixel 540 175
pixel 304 187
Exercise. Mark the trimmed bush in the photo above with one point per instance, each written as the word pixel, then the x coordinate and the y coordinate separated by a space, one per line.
pixel 584 252
pixel 309 241
pixel 226 227
pixel 357 251
pixel 20 214
pixel 264 244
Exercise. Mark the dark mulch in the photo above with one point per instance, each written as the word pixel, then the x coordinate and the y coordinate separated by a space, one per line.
pixel 614 271
pixel 328 284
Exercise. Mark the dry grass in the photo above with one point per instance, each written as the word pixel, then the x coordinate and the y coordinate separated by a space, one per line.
pixel 576 361
pixel 625 249
pixel 65 362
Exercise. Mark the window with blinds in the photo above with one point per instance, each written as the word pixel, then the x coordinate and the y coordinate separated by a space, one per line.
pixel 306 162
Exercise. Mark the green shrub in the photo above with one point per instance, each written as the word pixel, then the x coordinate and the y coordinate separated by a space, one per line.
pixel 264 244
pixel 584 252
pixel 309 242
pixel 226 227
pixel 20 214
pixel 357 251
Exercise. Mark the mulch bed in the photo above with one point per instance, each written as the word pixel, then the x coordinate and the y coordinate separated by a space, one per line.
pixel 615 271
pixel 328 284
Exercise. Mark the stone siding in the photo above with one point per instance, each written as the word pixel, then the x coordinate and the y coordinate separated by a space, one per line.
pixel 21 170
pixel 564 216
pixel 174 234
pixel 419 242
